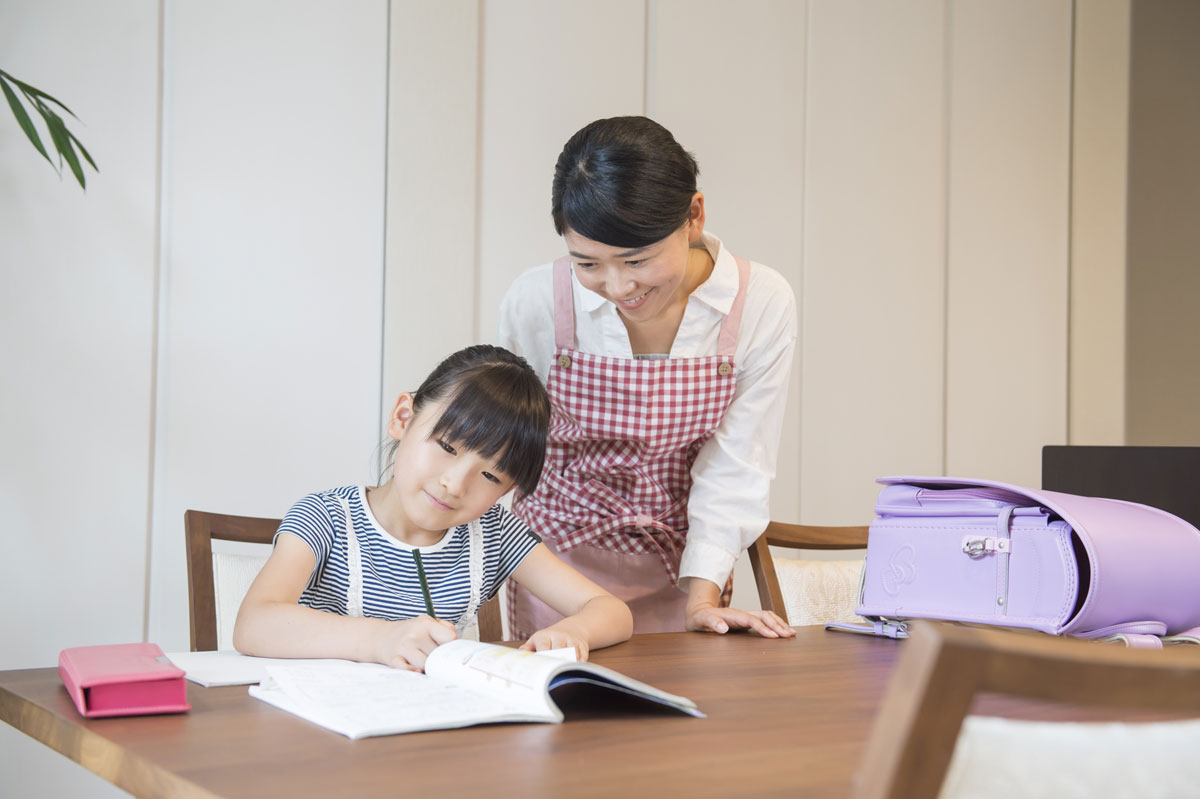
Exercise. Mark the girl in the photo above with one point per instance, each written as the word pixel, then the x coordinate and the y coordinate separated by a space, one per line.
pixel 667 362
pixel 342 580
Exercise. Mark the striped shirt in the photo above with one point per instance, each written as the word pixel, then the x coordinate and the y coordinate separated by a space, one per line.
pixel 391 589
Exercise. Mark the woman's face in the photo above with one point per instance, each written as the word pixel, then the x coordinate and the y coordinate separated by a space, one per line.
pixel 642 282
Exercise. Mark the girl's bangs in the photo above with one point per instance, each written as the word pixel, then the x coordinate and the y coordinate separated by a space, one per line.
pixel 495 422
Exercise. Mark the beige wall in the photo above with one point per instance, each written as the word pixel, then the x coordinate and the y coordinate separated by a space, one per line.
pixel 1099 159
pixel 1135 273
pixel 1163 343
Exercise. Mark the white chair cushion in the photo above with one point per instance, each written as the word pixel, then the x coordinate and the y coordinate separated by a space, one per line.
pixel 819 591
pixel 1005 758
pixel 232 575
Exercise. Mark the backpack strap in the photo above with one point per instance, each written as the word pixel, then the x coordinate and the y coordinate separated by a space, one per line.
pixel 1191 636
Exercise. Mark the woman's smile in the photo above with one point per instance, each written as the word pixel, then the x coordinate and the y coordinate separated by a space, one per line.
pixel 635 302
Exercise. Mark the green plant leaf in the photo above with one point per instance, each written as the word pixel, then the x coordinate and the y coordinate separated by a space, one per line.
pixel 83 150
pixel 62 142
pixel 23 119
pixel 36 92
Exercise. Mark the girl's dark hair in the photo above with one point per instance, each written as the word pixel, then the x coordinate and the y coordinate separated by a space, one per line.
pixel 624 182
pixel 494 404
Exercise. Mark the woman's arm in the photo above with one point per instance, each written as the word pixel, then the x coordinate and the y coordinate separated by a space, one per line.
pixel 727 506
pixel 270 623
pixel 594 617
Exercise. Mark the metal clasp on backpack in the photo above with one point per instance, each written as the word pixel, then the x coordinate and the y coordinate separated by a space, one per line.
pixel 976 547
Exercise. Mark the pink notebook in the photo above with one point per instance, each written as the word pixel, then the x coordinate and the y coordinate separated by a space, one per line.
pixel 122 680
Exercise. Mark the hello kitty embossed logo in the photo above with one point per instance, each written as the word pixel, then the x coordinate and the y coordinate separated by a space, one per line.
pixel 901 570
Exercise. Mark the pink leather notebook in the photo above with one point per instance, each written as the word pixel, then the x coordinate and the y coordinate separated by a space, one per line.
pixel 122 680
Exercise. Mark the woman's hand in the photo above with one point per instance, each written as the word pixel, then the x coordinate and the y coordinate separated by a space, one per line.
pixel 705 615
pixel 406 644
pixel 558 636
pixel 722 620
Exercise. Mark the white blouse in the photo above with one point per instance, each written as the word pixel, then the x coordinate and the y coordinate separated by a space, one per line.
pixel 727 508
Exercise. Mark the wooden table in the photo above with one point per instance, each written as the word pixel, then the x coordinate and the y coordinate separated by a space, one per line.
pixel 784 718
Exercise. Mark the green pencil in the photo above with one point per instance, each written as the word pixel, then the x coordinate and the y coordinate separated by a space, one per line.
pixel 424 585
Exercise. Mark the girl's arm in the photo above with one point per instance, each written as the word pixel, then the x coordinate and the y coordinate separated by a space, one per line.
pixel 270 623
pixel 594 617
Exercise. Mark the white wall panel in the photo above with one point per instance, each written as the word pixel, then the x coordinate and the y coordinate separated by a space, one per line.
pixel 76 318
pixel 1008 236
pixel 549 69
pixel 76 322
pixel 703 59
pixel 873 246
pixel 432 189
pixel 269 376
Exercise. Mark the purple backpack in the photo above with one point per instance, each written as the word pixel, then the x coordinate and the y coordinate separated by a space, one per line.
pixel 992 553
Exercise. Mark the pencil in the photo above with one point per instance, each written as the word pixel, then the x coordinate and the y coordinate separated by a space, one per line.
pixel 424 585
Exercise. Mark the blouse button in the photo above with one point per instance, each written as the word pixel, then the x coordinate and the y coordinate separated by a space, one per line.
pixel 724 369
pixel 564 361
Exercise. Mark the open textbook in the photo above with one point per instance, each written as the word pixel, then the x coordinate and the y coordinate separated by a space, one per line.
pixel 465 683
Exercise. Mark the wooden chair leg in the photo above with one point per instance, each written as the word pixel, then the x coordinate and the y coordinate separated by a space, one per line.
pixel 763 564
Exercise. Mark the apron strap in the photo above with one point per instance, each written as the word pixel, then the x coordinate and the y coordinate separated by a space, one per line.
pixel 467 625
pixel 732 323
pixel 564 305
pixel 354 582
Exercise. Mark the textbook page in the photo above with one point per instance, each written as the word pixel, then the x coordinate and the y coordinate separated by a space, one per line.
pixel 521 676
pixel 529 677
pixel 365 699
pixel 466 683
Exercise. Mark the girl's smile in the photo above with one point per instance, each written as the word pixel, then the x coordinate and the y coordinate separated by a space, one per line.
pixel 437 502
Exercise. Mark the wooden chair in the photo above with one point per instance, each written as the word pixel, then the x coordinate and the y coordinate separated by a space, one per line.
pixel 201 527
pixel 795 536
pixel 943 666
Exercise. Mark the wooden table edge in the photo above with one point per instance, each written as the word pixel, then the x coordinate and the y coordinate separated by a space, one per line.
pixel 107 760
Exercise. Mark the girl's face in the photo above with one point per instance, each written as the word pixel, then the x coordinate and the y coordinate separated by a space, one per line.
pixel 437 484
pixel 644 283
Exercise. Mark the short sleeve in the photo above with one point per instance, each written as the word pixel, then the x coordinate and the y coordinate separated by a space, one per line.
pixel 509 538
pixel 310 521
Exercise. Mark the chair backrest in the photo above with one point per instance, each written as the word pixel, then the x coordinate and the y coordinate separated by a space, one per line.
pixel 201 528
pixel 233 575
pixel 796 536
pixel 943 666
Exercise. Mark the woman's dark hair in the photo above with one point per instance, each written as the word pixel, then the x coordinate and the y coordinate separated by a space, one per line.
pixel 624 182
pixel 494 404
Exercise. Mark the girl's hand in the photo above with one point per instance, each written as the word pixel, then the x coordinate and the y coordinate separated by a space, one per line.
pixel 406 644
pixel 709 618
pixel 557 638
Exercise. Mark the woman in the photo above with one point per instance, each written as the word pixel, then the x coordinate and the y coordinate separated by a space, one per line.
pixel 667 360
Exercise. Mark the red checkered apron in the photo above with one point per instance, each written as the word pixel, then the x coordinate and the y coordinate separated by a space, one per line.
pixel 612 499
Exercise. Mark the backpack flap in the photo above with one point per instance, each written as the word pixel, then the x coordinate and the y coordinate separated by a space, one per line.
pixel 1144 564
